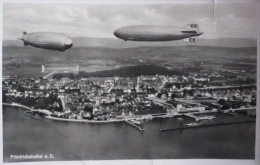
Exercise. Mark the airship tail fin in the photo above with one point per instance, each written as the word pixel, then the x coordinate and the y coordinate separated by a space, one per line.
pixel 191 39
pixel 192 26
pixel 21 38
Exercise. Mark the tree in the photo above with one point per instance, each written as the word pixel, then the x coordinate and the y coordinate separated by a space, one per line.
pixel 41 104
pixel 173 95
pixel 60 108
pixel 88 108
pixel 185 92
pixel 191 92
pixel 4 98
pixel 222 101
pixel 253 102
pixel 225 106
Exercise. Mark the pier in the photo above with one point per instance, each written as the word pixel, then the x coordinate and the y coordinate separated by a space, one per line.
pixel 206 125
pixel 191 115
pixel 139 127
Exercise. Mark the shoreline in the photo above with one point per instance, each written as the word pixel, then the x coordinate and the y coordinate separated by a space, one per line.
pixel 84 120
pixel 18 105
pixel 69 120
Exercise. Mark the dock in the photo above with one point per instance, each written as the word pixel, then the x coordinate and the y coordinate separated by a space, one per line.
pixel 227 113
pixel 139 127
pixel 191 115
pixel 205 125
pixel 32 115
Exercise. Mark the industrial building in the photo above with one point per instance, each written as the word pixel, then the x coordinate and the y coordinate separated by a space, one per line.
pixel 61 68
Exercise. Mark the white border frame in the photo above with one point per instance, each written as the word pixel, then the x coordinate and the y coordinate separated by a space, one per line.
pixel 255 161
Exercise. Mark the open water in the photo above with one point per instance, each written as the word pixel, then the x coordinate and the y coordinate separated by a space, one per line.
pixel 84 141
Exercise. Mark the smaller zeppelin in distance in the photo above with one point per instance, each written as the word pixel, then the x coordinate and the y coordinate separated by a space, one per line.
pixel 150 33
pixel 47 40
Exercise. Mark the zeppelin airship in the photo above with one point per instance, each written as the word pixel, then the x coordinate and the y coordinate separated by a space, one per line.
pixel 47 40
pixel 187 33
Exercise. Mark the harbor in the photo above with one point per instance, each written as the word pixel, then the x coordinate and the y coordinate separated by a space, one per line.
pixel 197 125
pixel 137 121
pixel 94 137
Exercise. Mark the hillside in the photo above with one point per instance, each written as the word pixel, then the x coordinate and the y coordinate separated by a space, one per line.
pixel 156 54
pixel 120 44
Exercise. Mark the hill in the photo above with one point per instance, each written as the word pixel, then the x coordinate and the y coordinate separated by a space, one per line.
pixel 120 44
pixel 128 55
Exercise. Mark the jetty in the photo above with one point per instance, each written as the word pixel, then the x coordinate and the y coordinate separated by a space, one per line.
pixel 32 115
pixel 205 125
pixel 191 115
pixel 227 112
pixel 136 124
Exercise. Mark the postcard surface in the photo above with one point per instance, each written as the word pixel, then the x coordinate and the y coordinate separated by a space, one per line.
pixel 128 81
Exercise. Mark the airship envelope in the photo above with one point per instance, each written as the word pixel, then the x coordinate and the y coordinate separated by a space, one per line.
pixel 47 40
pixel 187 33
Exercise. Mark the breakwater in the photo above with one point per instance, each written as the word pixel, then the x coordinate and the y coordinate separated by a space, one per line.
pixel 206 125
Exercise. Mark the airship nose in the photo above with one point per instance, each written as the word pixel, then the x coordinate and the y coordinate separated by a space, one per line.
pixel 68 43
pixel 200 33
pixel 116 33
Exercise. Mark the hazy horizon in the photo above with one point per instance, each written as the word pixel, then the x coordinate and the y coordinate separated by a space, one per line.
pixel 15 39
pixel 222 19
pixel 117 43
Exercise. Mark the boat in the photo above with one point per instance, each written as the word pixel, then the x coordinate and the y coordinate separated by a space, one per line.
pixel 136 122
pixel 193 124
pixel 33 115
pixel 228 112
pixel 206 118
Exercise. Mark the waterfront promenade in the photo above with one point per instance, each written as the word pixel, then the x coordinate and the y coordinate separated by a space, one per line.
pixel 70 120
pixel 19 105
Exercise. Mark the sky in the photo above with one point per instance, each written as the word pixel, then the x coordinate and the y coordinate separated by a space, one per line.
pixel 220 20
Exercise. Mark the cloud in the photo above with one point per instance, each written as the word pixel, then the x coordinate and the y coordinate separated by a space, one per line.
pixel 205 20
pixel 30 14
pixel 143 15
pixel 95 20
pixel 120 21
pixel 153 13
pixel 66 13
pixel 73 16
pixel 232 17
pixel 233 26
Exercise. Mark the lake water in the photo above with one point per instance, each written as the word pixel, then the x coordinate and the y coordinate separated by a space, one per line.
pixel 84 141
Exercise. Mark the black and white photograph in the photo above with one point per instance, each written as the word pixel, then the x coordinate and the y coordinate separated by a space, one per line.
pixel 85 81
